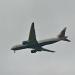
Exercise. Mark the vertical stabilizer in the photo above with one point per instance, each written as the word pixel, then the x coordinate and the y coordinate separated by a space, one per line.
pixel 62 35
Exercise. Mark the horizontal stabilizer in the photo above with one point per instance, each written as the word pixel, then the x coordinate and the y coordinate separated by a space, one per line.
pixel 67 40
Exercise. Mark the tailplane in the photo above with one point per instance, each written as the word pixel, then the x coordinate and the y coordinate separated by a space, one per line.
pixel 62 35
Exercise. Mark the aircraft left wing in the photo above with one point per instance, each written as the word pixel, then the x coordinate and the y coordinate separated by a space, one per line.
pixel 32 35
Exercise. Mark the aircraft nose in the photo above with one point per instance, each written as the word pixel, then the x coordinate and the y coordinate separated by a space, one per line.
pixel 12 48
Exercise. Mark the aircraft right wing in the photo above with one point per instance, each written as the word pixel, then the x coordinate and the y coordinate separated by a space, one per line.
pixel 43 49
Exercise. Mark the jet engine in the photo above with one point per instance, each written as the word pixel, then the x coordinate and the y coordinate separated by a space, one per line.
pixel 24 42
pixel 33 51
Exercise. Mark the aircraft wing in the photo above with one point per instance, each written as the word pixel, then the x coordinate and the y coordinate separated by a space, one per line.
pixel 43 49
pixel 47 41
pixel 32 35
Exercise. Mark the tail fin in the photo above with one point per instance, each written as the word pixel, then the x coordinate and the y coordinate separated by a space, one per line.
pixel 62 35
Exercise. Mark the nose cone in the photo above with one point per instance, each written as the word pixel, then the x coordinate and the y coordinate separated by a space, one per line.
pixel 18 47
pixel 12 48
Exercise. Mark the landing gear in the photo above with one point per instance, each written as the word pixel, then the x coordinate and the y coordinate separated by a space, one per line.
pixel 33 51
pixel 14 51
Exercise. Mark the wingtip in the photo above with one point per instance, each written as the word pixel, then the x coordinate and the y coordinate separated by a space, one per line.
pixel 53 51
pixel 32 23
pixel 65 28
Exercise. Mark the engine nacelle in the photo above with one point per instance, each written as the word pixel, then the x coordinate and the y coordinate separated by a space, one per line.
pixel 24 42
pixel 33 51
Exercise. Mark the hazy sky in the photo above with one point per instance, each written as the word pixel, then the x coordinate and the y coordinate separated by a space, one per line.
pixel 50 17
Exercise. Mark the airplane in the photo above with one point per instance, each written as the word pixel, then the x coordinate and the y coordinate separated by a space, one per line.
pixel 35 45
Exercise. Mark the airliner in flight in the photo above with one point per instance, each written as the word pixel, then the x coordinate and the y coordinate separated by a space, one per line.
pixel 35 45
